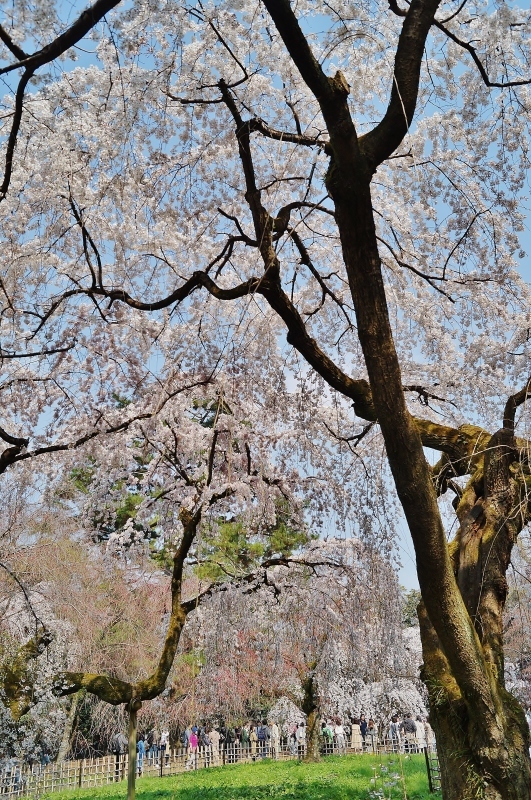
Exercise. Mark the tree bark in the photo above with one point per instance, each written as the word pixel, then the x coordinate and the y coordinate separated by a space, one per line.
pixel 478 756
pixel 64 747
pixel 310 706
pixel 134 707
pixel 471 766
pixel 313 749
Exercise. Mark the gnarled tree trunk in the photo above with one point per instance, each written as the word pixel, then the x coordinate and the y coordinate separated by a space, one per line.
pixel 478 758
pixel 476 761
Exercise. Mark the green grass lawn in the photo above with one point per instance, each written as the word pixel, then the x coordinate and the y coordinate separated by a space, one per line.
pixel 334 778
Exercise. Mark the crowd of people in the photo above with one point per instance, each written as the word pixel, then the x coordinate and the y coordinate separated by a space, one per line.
pixel 256 740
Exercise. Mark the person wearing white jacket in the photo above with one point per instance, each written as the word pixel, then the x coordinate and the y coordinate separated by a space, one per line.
pixel 274 740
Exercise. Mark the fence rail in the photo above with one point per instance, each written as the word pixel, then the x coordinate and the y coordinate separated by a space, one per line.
pixel 34 782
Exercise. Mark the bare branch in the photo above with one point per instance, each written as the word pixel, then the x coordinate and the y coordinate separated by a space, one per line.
pixel 15 127
pixel 306 260
pixel 424 396
pixel 258 125
pixel 456 13
pixel 428 278
pixel 211 457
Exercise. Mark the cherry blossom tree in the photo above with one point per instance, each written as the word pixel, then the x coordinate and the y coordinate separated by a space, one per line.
pixel 321 632
pixel 356 171
pixel 180 477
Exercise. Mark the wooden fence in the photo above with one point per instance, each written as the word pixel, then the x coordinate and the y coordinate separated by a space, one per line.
pixel 34 782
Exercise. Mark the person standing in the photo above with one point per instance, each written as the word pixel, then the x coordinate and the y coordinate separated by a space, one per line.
pixel 163 745
pixel 244 740
pixel 428 734
pixel 193 742
pixel 153 746
pixel 292 738
pixel 363 731
pixel 119 747
pixel 262 732
pixel 409 729
pixel 421 735
pixel 213 735
pixel 44 756
pixel 274 733
pixel 183 740
pixel 356 735
pixel 206 743
pixel 372 736
pixel 339 733
pixel 300 737
pixel 141 752
pixel 230 744
pixel 394 734
pixel 253 739
pixel 328 738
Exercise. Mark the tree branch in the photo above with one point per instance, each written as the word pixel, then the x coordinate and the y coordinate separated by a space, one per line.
pixel 382 141
pixel 84 23
pixel 512 404
pixel 258 125
pixel 14 454
pixel 17 51
pixel 477 61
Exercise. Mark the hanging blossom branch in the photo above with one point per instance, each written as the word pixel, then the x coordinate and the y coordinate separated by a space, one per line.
pixel 31 63
pixel 252 582
pixel 268 285
pixel 441 25
pixel 477 61
pixel 18 451
pixel 38 622
pixel 4 354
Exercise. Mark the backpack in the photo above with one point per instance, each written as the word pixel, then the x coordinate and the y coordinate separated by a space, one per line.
pixel 183 738
pixel 245 736
pixel 261 733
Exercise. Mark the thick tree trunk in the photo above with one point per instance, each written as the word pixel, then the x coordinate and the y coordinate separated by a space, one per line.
pixel 313 751
pixel 134 706
pixel 481 733
pixel 476 761
pixel 310 706
pixel 69 725
pixel 481 755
